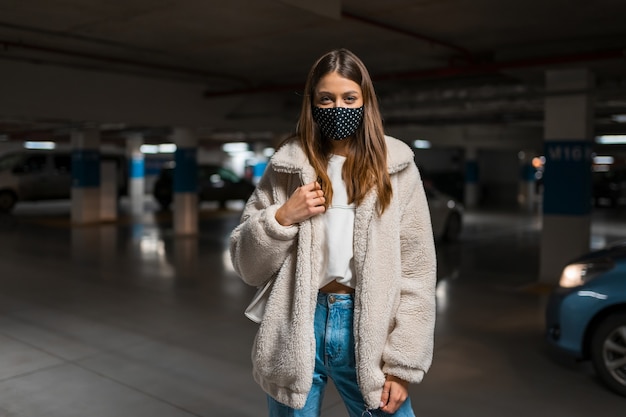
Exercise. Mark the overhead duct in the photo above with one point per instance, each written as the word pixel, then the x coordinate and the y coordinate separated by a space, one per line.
pixel 454 71
pixel 464 53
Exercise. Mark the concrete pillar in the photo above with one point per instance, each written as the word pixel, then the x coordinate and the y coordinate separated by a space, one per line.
pixel 260 162
pixel 108 190
pixel 472 191
pixel 567 178
pixel 526 184
pixel 185 182
pixel 85 176
pixel 136 173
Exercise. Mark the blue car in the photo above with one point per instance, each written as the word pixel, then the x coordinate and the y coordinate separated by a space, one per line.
pixel 586 314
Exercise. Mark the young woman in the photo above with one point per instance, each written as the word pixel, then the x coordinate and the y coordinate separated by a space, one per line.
pixel 340 222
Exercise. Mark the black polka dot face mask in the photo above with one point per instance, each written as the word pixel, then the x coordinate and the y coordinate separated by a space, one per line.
pixel 338 122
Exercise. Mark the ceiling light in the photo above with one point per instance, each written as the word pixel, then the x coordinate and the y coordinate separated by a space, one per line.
pixel 603 160
pixel 235 147
pixel 611 139
pixel 167 148
pixel 421 144
pixel 39 145
pixel 151 149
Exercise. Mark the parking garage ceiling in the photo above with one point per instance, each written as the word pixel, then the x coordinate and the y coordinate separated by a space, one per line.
pixel 434 62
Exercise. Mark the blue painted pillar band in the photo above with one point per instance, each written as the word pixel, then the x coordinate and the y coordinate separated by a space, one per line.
pixel 259 169
pixel 85 168
pixel 185 171
pixel 137 167
pixel 471 172
pixel 567 178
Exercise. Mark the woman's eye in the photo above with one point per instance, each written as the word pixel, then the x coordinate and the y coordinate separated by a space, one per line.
pixel 324 99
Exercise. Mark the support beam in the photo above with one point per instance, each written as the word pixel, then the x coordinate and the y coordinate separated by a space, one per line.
pixel 566 231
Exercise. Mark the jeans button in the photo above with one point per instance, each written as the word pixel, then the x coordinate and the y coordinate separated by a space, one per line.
pixel 331 299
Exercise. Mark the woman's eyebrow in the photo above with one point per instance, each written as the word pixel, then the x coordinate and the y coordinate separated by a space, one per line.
pixel 332 94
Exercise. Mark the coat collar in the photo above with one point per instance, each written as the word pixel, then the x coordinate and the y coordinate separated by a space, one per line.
pixel 290 158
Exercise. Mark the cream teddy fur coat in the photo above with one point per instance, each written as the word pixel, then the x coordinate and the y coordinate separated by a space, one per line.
pixel 395 268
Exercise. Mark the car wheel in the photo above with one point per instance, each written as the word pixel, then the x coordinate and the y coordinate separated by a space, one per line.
pixel 453 228
pixel 7 201
pixel 608 352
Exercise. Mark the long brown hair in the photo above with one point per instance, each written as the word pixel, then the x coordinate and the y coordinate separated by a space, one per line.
pixel 366 163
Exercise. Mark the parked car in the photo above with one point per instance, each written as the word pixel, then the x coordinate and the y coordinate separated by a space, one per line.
pixel 609 187
pixel 586 314
pixel 215 183
pixel 36 175
pixel 446 214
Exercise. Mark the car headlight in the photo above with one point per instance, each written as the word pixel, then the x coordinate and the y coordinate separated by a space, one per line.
pixel 577 274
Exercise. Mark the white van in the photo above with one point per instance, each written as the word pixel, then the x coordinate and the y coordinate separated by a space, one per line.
pixel 34 175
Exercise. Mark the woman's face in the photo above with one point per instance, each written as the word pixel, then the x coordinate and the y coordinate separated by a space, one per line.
pixel 333 90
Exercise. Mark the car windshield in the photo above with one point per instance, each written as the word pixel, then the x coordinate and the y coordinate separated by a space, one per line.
pixel 205 172
pixel 228 175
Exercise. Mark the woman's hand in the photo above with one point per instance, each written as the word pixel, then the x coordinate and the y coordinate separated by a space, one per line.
pixel 395 392
pixel 307 201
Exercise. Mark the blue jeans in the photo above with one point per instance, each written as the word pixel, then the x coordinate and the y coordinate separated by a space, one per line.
pixel 334 358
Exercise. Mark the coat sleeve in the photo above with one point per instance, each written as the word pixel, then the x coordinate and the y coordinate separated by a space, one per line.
pixel 259 244
pixel 409 348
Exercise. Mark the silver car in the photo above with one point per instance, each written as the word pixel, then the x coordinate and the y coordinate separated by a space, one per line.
pixel 446 214
pixel 35 175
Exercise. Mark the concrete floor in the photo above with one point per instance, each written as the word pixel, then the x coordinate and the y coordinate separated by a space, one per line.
pixel 126 319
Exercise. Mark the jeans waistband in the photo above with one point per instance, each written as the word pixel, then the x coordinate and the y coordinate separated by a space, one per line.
pixel 335 300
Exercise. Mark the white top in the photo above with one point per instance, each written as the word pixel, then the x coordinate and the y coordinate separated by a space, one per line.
pixel 339 223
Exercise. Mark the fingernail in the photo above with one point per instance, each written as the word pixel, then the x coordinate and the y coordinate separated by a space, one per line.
pixel 382 404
